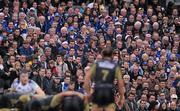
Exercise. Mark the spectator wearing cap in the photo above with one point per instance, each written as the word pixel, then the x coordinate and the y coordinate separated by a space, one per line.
pixel 56 85
pixel 174 98
pixel 72 34
pixel 31 13
pixel 58 20
pixel 64 47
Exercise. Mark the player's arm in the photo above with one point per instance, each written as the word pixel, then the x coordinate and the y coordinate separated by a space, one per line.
pixel 40 92
pixel 58 98
pixel 121 88
pixel 88 76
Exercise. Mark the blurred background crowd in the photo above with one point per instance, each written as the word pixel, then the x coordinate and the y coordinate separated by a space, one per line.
pixel 57 41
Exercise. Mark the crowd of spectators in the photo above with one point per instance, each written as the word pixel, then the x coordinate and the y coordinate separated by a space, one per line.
pixel 57 42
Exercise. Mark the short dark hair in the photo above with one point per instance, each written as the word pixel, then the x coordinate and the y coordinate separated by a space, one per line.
pixel 107 52
pixel 24 71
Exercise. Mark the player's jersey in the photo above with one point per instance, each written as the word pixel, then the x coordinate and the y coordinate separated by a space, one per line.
pixel 105 72
pixel 29 88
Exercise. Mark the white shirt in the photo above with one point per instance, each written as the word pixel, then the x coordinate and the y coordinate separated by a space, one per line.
pixel 29 88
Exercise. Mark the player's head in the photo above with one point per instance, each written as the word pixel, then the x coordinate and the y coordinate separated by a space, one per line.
pixel 107 52
pixel 72 103
pixel 33 105
pixel 24 77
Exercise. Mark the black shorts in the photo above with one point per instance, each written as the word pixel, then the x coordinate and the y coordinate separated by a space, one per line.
pixel 103 94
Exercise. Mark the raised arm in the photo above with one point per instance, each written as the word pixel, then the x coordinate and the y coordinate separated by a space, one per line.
pixel 39 92
pixel 58 98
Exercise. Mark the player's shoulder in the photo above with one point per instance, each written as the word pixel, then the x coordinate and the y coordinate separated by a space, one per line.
pixel 107 64
pixel 16 81
pixel 31 82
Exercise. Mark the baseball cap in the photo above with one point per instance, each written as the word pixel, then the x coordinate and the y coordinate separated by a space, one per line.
pixel 56 77
pixel 136 37
pixel 127 36
pixel 144 63
pixel 119 35
pixel 56 15
pixel 71 29
pixel 117 23
pixel 32 9
pixel 65 42
pixel 174 96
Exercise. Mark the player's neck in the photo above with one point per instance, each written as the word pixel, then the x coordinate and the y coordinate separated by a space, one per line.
pixel 107 58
